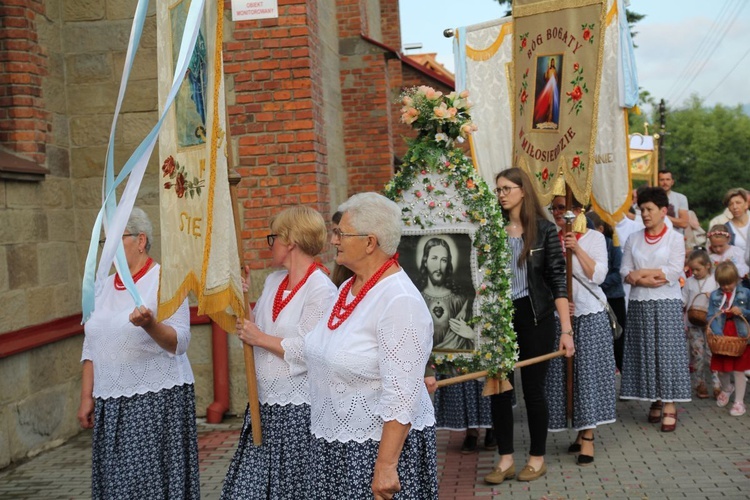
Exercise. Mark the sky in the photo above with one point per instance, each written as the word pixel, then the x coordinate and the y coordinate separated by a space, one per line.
pixel 685 47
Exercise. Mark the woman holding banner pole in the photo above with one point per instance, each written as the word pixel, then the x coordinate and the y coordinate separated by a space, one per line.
pixel 594 369
pixel 137 385
pixel 538 289
pixel 290 305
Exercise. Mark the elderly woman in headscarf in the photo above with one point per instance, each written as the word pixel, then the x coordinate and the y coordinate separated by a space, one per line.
pixel 137 385
pixel 372 419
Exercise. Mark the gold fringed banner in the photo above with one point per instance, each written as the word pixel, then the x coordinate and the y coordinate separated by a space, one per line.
pixel 199 248
pixel 558 50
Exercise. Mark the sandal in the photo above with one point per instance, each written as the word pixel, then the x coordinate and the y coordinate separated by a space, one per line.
pixel 738 409
pixel 654 412
pixel 669 427
pixel 723 398
pixel 584 460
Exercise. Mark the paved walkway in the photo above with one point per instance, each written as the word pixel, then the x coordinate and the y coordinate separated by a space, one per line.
pixel 707 457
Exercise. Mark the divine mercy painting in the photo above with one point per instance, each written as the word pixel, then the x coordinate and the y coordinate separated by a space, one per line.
pixel 547 92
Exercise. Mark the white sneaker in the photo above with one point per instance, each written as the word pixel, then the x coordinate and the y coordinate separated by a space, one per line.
pixel 738 409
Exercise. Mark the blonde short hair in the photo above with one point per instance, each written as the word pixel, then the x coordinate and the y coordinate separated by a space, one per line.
pixel 726 273
pixel 301 226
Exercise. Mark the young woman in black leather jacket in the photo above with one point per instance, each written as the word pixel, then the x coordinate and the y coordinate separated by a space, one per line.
pixel 538 290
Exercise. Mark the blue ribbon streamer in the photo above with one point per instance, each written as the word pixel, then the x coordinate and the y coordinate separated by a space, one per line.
pixel 115 216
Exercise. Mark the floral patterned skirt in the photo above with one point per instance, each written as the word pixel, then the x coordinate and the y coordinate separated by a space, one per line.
pixel 594 395
pixel 146 446
pixel 344 470
pixel 280 467
pixel 655 364
pixel 462 406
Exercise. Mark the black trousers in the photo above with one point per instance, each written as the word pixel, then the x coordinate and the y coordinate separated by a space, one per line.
pixel 533 340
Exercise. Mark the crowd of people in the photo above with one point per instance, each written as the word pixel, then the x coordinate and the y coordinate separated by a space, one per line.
pixel 348 397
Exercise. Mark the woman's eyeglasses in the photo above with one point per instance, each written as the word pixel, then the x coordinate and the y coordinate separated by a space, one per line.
pixel 270 239
pixel 559 208
pixel 505 190
pixel 340 234
pixel 103 240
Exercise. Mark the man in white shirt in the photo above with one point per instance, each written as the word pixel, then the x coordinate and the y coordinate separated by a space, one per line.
pixel 678 203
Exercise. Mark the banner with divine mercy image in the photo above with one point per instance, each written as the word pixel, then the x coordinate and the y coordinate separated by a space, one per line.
pixel 199 245
pixel 558 51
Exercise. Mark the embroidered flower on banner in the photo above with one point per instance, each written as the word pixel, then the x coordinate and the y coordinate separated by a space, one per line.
pixel 523 38
pixel 579 87
pixel 587 35
pixel 577 163
pixel 545 176
pixel 172 169
pixel 524 88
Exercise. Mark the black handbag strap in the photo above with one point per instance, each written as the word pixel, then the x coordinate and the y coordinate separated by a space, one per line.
pixel 605 304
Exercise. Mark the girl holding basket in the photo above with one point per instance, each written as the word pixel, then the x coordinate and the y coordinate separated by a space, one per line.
pixel 728 310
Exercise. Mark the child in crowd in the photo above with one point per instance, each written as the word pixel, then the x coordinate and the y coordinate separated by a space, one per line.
pixel 720 249
pixel 732 301
pixel 695 294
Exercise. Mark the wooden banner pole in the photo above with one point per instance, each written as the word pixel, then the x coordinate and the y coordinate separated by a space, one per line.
pixel 252 381
pixel 569 218
pixel 520 364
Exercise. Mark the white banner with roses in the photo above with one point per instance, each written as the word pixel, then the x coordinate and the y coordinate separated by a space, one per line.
pixel 199 245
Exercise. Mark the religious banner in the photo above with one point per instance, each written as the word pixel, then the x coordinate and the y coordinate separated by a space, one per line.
pixel 644 159
pixel 484 55
pixel 199 245
pixel 558 51
pixel 611 181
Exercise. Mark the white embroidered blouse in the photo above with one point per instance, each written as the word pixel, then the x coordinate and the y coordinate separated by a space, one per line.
pixel 668 254
pixel 593 243
pixel 284 381
pixel 370 370
pixel 127 361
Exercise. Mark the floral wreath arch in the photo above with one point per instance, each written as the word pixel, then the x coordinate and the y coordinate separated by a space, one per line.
pixel 439 190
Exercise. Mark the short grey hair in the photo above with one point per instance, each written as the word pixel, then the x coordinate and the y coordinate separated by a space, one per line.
pixel 373 213
pixel 140 223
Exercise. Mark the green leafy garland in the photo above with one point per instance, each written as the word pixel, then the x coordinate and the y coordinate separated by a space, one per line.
pixel 441 181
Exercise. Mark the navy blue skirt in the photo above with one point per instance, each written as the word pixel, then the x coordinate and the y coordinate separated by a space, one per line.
pixel 345 470
pixel 280 467
pixel 146 446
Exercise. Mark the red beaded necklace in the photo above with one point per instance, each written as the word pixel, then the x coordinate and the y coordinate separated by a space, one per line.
pixel 655 238
pixel 279 302
pixel 119 285
pixel 342 310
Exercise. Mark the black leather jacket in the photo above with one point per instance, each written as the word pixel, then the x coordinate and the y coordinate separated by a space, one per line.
pixel 545 270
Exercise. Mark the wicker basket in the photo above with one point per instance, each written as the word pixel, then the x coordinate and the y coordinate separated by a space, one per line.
pixel 697 314
pixel 725 346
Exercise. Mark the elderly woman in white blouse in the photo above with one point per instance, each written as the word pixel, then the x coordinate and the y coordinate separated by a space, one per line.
pixel 137 386
pixel 594 396
pixel 372 419
pixel 290 305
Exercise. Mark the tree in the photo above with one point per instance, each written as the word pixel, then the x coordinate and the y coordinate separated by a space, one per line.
pixel 708 150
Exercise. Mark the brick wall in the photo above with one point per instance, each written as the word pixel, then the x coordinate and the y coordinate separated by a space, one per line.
pixel 274 98
pixel 24 122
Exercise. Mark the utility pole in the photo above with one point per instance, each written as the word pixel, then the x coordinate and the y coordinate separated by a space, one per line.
pixel 662 132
